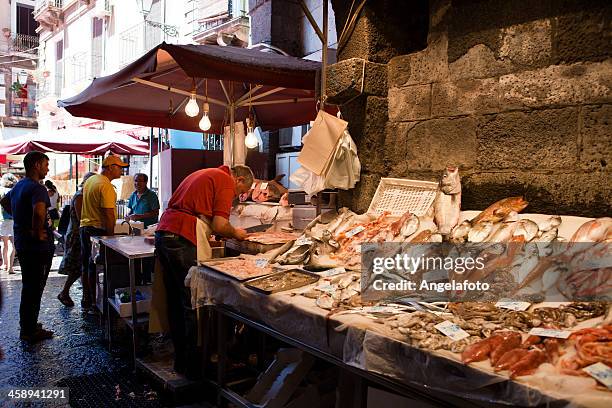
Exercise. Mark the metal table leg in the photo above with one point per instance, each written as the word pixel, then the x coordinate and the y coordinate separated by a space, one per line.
pixel 222 356
pixel 105 303
pixel 134 311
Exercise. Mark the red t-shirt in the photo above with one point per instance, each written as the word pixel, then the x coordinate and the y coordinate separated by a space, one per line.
pixel 207 192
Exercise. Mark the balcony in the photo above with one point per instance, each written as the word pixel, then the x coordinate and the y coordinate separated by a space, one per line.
pixel 227 29
pixel 142 37
pixel 18 44
pixel 48 13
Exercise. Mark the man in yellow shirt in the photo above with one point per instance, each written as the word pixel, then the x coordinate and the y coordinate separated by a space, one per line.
pixel 98 217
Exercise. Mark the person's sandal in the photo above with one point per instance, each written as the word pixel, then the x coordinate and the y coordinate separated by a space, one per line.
pixel 65 300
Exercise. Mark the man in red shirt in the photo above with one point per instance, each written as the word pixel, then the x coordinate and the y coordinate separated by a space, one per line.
pixel 206 194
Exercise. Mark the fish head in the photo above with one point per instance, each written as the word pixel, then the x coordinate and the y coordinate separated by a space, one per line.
pixel 450 183
pixel 517 204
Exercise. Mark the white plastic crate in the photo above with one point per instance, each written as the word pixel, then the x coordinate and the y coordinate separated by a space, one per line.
pixel 400 195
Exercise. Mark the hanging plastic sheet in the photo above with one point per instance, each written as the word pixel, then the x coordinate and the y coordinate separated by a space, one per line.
pixel 238 145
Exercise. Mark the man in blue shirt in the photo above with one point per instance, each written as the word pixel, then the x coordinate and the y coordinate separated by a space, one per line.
pixel 143 203
pixel 28 202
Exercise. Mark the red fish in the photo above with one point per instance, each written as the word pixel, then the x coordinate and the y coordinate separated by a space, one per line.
pixel 510 358
pixel 481 350
pixel 500 209
pixel 511 341
pixel 528 364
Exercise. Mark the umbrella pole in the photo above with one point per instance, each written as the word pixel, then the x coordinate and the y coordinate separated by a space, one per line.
pixel 76 171
pixel 151 156
pixel 232 132
pixel 324 54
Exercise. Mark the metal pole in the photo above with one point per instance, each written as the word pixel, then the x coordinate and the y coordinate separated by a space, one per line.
pixel 324 53
pixel 77 171
pixel 151 156
pixel 70 160
pixel 160 146
pixel 232 133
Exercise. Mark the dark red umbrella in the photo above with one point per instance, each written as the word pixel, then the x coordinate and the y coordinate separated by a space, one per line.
pixel 75 140
pixel 153 90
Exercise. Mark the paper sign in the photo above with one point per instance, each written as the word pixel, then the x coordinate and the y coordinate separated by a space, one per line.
pixel 512 305
pixel 380 309
pixel 263 186
pixel 355 231
pixel 261 262
pixel 452 331
pixel 332 272
pixel 559 334
pixel 601 373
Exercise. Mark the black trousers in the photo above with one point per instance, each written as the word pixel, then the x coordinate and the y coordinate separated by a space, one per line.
pixel 176 255
pixel 88 266
pixel 35 267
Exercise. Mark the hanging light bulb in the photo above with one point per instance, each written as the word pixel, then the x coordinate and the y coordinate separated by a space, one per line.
pixel 192 109
pixel 205 121
pixel 250 140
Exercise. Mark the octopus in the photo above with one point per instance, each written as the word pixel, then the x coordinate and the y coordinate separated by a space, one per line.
pixel 592 345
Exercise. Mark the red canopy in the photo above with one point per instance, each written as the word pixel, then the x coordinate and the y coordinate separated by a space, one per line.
pixel 76 140
pixel 153 90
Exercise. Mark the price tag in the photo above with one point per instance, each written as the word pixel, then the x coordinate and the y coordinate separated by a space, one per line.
pixel 261 263
pixel 253 186
pixel 601 373
pixel 263 186
pixel 332 272
pixel 559 334
pixel 452 331
pixel 512 305
pixel 380 309
pixel 355 231
pixel 303 240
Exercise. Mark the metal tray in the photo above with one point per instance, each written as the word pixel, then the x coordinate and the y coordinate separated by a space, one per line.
pixel 260 284
pixel 215 263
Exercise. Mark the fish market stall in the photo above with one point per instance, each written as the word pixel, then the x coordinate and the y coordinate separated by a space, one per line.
pixel 550 341
pixel 366 338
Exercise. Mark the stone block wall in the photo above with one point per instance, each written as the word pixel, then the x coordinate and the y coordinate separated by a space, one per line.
pixel 517 93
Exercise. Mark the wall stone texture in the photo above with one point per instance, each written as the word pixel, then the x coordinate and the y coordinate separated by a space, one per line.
pixel 517 93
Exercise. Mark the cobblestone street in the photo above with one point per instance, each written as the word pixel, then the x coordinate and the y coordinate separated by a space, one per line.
pixel 76 350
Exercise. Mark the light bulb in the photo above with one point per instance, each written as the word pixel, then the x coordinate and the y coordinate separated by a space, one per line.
pixel 192 109
pixel 250 140
pixel 205 122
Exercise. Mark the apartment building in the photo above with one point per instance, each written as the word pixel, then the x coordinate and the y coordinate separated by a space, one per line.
pixel 18 63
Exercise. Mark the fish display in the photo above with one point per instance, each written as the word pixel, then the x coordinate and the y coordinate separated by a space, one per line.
pixel 520 255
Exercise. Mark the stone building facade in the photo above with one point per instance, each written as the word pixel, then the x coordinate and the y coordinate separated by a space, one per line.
pixel 517 93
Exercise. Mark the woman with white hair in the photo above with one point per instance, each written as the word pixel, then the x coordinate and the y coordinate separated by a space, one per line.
pixel 7 182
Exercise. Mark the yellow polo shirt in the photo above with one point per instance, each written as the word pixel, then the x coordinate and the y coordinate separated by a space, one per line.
pixel 98 193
